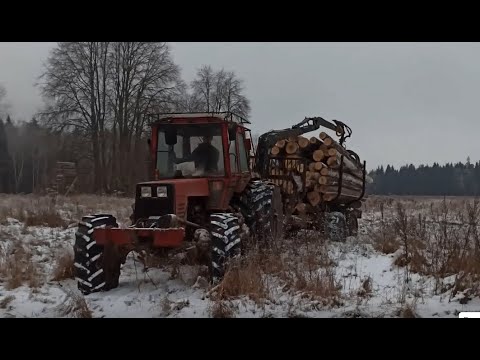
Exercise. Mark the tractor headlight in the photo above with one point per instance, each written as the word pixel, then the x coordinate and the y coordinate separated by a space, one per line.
pixel 145 191
pixel 162 191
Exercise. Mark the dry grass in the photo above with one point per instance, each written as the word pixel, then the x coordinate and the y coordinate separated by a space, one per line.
pixel 244 278
pixel 32 210
pixel 221 309
pixel 75 306
pixel 407 311
pixel 6 301
pixel 295 266
pixel 17 267
pixel 64 268
pixel 60 211
pixel 437 237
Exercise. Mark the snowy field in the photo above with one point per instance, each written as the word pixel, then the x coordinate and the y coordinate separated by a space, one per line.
pixel 416 260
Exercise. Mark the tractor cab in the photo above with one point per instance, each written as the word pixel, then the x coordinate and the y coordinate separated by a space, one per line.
pixel 199 160
pixel 199 145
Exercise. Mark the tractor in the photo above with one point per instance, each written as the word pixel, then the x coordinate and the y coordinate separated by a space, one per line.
pixel 208 189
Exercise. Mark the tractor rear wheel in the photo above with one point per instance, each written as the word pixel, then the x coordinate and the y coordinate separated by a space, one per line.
pixel 97 268
pixel 259 205
pixel 226 244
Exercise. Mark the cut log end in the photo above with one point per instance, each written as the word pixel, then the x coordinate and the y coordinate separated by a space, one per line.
pixel 291 147
pixel 275 150
pixel 314 198
pixel 318 155
pixel 280 144
pixel 303 142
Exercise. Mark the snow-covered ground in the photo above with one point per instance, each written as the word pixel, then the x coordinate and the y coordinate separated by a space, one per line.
pixel 365 282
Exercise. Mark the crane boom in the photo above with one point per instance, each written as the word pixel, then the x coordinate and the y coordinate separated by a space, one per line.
pixel 267 140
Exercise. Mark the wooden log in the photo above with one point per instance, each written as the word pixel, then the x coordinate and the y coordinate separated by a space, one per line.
pixel 340 150
pixel 315 141
pixel 335 173
pixel 328 141
pixel 348 167
pixel 333 189
pixel 303 142
pixel 318 165
pixel 323 135
pixel 311 166
pixel 318 155
pixel 291 147
pixel 346 179
pixel 328 190
pixel 301 208
pixel 332 152
pixel 314 198
pixel 281 144
pixel 275 150
pixel 333 162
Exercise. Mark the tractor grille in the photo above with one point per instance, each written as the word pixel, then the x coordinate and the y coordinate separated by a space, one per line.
pixel 154 206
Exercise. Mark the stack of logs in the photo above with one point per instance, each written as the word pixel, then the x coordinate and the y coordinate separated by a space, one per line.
pixel 322 158
pixel 65 178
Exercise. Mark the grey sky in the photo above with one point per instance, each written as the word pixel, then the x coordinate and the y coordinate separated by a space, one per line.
pixel 405 102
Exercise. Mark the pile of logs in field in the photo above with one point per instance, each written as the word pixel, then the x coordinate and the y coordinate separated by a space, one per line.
pixel 315 164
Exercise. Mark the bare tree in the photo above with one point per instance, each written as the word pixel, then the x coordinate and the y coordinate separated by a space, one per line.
pixel 75 87
pixel 233 97
pixel 143 79
pixel 203 87
pixel 216 91
pixel 104 90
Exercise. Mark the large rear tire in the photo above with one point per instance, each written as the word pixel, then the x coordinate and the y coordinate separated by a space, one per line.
pixel 226 243
pixel 261 207
pixel 97 268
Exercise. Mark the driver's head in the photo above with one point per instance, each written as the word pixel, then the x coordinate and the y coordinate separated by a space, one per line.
pixel 207 139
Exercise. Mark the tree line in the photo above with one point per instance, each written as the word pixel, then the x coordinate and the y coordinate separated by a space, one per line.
pixel 437 180
pixel 97 99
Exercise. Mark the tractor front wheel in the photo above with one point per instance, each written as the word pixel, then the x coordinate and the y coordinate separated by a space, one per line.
pixel 226 243
pixel 97 268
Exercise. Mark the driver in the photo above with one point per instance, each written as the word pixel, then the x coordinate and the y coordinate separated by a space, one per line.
pixel 205 156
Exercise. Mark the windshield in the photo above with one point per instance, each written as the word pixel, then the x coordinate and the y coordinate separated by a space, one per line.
pixel 198 150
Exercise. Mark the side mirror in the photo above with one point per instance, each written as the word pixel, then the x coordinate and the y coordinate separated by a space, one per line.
pixel 248 144
pixel 171 136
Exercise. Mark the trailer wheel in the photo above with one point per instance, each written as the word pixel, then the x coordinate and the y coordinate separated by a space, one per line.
pixel 97 268
pixel 336 226
pixel 225 231
pixel 352 224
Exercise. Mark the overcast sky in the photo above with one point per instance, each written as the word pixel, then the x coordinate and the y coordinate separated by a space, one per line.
pixel 405 102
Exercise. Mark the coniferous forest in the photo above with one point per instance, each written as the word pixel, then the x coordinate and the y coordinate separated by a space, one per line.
pixel 436 180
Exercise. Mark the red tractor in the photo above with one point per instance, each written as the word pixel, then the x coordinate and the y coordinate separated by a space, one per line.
pixel 204 192
pixel 187 200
